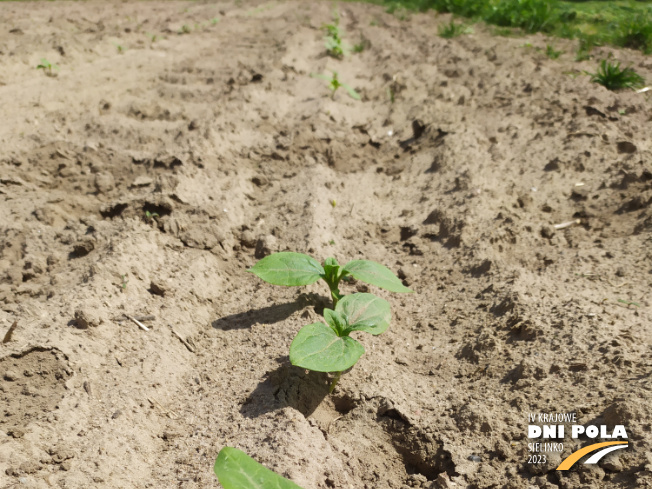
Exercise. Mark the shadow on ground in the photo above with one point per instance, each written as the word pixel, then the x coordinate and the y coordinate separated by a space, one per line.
pixel 285 386
pixel 270 314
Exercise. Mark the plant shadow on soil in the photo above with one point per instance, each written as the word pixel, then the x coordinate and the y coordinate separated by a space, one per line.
pixel 270 314
pixel 287 385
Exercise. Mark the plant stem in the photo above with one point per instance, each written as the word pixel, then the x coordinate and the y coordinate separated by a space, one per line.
pixel 334 383
pixel 335 295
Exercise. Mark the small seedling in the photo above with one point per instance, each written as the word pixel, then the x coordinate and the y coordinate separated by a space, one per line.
pixel 450 30
pixel 124 283
pixel 46 66
pixel 335 47
pixel 149 216
pixel 334 84
pixel 328 347
pixel 390 93
pixel 237 470
pixel 551 52
pixel 185 29
pixel 121 49
pixel 612 77
pixel 294 269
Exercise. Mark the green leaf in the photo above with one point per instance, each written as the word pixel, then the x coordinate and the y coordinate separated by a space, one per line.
pixel 288 268
pixel 375 274
pixel 317 347
pixel 336 321
pixel 364 312
pixel 354 95
pixel 237 470
pixel 331 267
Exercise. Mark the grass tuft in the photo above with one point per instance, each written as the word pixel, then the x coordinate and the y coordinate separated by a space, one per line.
pixel 612 77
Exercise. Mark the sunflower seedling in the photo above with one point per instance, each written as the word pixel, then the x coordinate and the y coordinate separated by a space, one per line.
pixel 334 83
pixel 47 67
pixel 328 347
pixel 295 269
pixel 237 470
pixel 335 47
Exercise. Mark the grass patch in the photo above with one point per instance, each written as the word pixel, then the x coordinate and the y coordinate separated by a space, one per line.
pixel 612 77
pixel 623 23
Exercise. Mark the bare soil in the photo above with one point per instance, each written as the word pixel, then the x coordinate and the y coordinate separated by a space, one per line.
pixel 176 143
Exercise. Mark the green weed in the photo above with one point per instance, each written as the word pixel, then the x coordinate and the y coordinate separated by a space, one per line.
pixel 551 52
pixel 585 47
pixel 450 30
pixel 612 77
pixel 529 15
pixel 636 33
pixel 622 22
pixel 362 45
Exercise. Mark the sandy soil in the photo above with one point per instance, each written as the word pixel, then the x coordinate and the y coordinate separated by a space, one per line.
pixel 222 136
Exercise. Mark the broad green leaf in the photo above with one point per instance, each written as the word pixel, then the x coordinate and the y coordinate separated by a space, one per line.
pixel 364 312
pixel 287 268
pixel 317 347
pixel 336 321
pixel 375 274
pixel 237 470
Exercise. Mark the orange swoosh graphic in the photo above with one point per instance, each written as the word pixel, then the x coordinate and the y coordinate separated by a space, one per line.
pixel 575 456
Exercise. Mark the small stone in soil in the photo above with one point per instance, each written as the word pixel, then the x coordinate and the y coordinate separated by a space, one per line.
pixel 83 248
pixel 158 287
pixel 85 319
pixel 10 375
